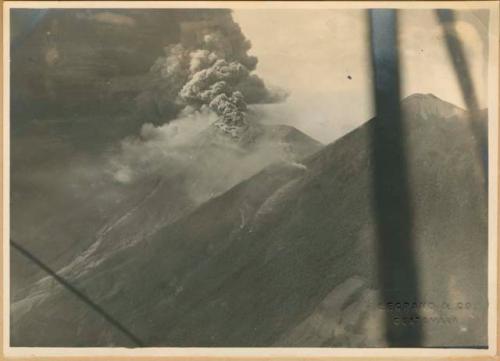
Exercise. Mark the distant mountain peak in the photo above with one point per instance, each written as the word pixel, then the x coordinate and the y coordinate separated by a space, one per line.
pixel 421 96
pixel 426 98
pixel 429 105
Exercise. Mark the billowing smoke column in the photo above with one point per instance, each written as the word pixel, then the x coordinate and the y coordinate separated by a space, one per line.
pixel 210 68
pixel 215 86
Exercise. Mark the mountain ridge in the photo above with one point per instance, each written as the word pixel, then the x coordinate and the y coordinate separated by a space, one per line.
pixel 254 266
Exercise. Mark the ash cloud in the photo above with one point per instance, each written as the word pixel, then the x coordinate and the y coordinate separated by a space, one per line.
pixel 201 87
pixel 91 62
pixel 209 68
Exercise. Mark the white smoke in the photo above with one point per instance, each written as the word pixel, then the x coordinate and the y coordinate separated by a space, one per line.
pixel 164 149
pixel 203 161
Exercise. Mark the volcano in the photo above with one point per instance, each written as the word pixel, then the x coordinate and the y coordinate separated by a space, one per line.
pixel 288 256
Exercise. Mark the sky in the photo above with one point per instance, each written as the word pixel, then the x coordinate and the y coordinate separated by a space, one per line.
pixel 322 58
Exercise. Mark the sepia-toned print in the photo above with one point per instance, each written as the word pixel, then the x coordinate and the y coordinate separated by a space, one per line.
pixel 242 176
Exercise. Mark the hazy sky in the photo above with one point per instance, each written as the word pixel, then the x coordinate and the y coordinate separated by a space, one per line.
pixel 311 53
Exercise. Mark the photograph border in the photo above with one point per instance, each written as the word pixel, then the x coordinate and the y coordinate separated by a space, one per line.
pixel 295 353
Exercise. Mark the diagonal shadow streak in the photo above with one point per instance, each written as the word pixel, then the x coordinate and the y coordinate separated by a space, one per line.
pixel 397 271
pixel 457 56
pixel 135 340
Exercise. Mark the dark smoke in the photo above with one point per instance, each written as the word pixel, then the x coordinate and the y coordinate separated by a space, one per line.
pixel 210 67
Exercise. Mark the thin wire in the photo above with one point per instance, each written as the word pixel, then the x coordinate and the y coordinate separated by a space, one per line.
pixel 78 293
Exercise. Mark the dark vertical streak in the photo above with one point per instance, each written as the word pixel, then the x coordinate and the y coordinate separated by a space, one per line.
pixel 135 340
pixel 456 52
pixel 396 265
pixel 30 19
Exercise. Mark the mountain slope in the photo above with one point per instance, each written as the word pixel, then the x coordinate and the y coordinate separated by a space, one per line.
pixel 158 200
pixel 174 196
pixel 287 257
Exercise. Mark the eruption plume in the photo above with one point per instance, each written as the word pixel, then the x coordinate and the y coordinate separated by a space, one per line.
pixel 210 69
